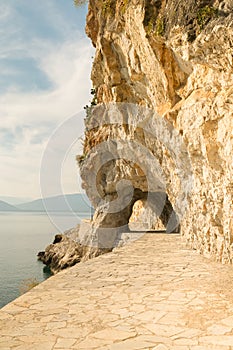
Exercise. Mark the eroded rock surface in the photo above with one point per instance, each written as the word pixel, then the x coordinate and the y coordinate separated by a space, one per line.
pixel 85 242
pixel 69 249
pixel 62 253
pixel 174 61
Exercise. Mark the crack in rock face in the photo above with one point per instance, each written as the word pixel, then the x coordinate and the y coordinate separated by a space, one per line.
pixel 174 60
pixel 158 147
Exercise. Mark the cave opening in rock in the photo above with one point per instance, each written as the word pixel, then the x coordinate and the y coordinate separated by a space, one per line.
pixel 153 212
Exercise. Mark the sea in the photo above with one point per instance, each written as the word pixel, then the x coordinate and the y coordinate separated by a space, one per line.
pixel 22 236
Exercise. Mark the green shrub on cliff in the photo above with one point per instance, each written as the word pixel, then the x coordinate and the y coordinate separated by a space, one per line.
pixel 205 14
pixel 79 2
pixel 93 103
pixel 124 5
pixel 157 27
pixel 108 6
pixel 160 26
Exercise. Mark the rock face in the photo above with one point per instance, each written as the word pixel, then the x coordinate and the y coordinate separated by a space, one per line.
pixel 62 253
pixel 163 80
pixel 80 244
pixel 67 250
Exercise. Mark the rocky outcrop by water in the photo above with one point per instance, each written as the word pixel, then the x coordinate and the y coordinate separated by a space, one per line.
pixel 67 250
pixel 79 245
pixel 62 253
pixel 162 77
pixel 158 146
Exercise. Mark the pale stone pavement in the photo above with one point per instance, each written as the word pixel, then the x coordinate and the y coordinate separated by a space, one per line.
pixel 152 294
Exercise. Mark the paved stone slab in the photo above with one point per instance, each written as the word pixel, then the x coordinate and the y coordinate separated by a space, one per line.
pixel 154 294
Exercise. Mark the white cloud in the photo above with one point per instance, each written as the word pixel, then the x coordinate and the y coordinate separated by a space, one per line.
pixel 36 114
pixel 5 11
pixel 69 70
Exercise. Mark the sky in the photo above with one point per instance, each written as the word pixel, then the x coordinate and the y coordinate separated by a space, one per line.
pixel 45 64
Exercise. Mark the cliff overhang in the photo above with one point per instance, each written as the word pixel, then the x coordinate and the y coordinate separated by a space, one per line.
pixel 162 65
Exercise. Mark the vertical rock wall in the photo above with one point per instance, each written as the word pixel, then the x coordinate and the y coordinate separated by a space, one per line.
pixel 175 59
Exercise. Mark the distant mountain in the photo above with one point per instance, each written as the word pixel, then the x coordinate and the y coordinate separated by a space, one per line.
pixel 7 207
pixel 14 200
pixel 65 203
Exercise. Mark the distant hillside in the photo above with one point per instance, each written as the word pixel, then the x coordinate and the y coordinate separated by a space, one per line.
pixel 14 200
pixel 70 202
pixel 7 207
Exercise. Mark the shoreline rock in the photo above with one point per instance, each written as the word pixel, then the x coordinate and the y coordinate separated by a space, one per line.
pixel 62 253
pixel 67 250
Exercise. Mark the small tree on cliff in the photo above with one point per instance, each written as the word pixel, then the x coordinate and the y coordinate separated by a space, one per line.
pixel 79 2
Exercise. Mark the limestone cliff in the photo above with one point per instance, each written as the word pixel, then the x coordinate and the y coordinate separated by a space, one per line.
pixel 163 80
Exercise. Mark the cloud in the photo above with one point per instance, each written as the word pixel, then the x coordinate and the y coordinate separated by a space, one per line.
pixel 68 69
pixel 5 12
pixel 29 116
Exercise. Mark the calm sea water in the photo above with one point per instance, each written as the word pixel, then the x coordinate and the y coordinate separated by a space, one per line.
pixel 22 236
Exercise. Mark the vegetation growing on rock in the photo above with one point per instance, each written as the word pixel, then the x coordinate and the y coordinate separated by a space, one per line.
pixel 80 2
pixel 183 70
pixel 205 14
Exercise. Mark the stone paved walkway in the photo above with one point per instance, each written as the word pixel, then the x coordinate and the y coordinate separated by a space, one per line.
pixel 151 294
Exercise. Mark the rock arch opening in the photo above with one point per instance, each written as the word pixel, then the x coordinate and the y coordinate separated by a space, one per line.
pixel 152 212
pixel 146 211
